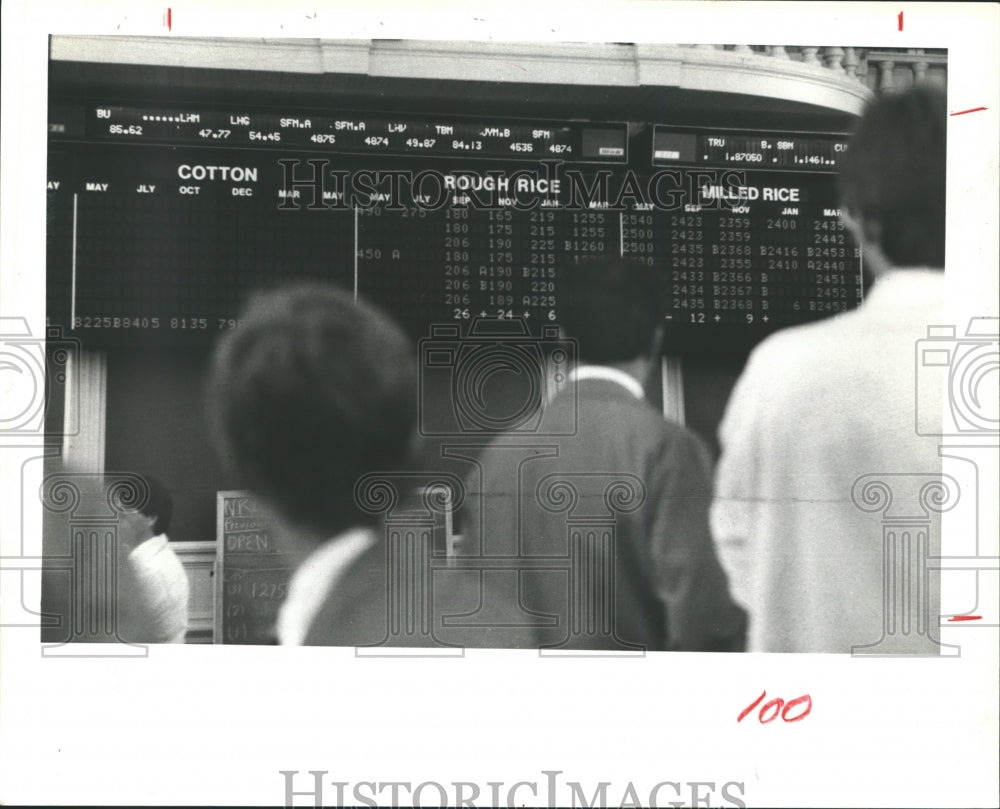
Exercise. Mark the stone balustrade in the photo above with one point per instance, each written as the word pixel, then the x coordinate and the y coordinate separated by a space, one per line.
pixel 840 78
pixel 879 70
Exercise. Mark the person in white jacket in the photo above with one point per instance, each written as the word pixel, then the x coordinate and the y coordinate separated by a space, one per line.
pixel 822 408
pixel 153 586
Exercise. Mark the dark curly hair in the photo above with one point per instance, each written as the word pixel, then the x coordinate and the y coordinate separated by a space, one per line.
pixel 893 175
pixel 312 391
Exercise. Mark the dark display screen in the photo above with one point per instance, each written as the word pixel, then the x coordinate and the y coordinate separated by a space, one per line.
pixel 162 221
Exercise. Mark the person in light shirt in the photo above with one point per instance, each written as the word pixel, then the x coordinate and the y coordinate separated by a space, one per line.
pixel 819 407
pixel 154 588
pixel 313 391
pixel 311 395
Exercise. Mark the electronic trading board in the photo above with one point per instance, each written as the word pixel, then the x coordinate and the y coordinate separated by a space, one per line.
pixel 162 220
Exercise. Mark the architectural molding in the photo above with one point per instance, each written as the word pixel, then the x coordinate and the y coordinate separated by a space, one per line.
pixel 772 73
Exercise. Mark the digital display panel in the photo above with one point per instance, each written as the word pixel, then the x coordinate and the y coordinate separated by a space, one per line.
pixel 162 221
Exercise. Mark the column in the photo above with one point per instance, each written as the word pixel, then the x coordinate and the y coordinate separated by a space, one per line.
pixel 591 502
pixel 851 62
pixel 809 56
pixel 415 509
pixel 498 553
pixel 834 57
pixel 909 505
pixel 89 507
pixel 886 80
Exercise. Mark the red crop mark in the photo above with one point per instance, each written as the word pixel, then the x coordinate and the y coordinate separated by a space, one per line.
pixel 974 109
pixel 966 618
pixel 778 706
pixel 900 20
pixel 170 21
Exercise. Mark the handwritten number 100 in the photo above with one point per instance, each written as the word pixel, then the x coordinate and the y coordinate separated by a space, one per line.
pixel 769 710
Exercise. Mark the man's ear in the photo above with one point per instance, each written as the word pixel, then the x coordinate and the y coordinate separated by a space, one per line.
pixel 866 232
pixel 872 233
pixel 852 224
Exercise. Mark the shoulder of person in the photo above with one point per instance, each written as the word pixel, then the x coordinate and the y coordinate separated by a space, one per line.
pixel 790 358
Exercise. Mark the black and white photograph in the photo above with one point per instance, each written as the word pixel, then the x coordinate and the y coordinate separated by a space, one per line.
pixel 611 412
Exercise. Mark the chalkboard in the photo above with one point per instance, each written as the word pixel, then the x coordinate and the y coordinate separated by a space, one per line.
pixel 252 581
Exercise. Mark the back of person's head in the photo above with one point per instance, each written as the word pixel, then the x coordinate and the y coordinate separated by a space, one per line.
pixel 158 503
pixel 312 391
pixel 892 177
pixel 610 308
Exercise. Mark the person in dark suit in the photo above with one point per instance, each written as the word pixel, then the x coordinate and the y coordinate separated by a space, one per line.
pixel 606 506
pixel 313 403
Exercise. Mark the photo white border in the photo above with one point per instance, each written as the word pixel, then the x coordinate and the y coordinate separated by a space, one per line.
pixel 174 727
